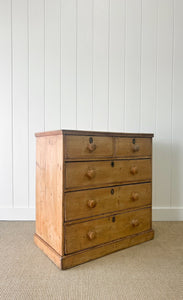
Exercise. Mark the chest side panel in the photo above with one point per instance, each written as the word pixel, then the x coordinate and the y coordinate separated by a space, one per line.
pixel 49 189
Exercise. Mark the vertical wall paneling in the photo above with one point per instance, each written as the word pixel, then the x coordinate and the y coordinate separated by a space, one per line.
pixel 112 65
pixel 84 64
pixel 148 74
pixel 20 101
pixel 133 65
pixel 100 64
pixel 177 108
pixel 164 102
pixel 68 64
pixel 148 66
pixel 52 64
pixel 116 65
pixel 36 85
pixel 5 105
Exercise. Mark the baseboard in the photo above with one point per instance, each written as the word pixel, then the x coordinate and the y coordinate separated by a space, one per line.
pixel 28 214
pixel 17 214
pixel 167 213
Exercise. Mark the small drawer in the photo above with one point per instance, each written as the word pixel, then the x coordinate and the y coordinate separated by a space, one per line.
pixel 133 147
pixel 88 146
pixel 87 203
pixel 91 233
pixel 80 175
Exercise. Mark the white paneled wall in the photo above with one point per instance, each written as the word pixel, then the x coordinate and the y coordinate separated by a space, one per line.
pixel 113 65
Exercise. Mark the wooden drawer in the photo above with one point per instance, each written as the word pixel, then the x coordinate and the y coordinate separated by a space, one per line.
pixel 87 203
pixel 81 175
pixel 91 233
pixel 88 146
pixel 133 147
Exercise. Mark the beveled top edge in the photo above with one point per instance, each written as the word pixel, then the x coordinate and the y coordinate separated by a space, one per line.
pixel 95 133
pixel 49 133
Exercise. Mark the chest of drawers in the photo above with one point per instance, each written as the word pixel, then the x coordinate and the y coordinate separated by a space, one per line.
pixel 93 194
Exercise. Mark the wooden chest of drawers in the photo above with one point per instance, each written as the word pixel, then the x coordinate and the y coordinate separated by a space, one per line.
pixel 93 194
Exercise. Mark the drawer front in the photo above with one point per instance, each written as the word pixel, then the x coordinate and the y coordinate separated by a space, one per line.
pixel 91 233
pixel 88 146
pixel 102 173
pixel 89 203
pixel 133 147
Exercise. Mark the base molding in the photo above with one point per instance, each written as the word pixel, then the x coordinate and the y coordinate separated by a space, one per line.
pixel 71 260
pixel 48 250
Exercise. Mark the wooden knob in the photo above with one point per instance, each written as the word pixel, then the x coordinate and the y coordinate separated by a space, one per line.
pixel 134 170
pixel 90 173
pixel 91 235
pixel 135 196
pixel 91 147
pixel 135 148
pixel 135 222
pixel 92 203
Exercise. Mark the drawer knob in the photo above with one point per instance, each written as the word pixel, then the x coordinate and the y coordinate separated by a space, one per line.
pixel 91 147
pixel 92 203
pixel 135 148
pixel 134 170
pixel 91 235
pixel 135 222
pixel 90 173
pixel 135 196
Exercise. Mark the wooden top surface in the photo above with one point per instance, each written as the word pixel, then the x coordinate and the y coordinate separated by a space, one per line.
pixel 94 133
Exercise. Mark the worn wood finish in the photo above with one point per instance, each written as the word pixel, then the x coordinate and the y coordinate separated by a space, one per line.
pixel 93 195
pixel 48 250
pixel 80 257
pixel 91 233
pixel 94 174
pixel 49 188
pixel 88 146
pixel 94 133
pixel 133 147
pixel 87 203
pixel 67 261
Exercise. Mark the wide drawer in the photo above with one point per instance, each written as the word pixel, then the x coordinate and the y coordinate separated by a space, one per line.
pixel 88 146
pixel 133 147
pixel 81 175
pixel 91 233
pixel 87 203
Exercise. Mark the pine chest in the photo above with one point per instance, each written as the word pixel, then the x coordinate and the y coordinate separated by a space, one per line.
pixel 93 193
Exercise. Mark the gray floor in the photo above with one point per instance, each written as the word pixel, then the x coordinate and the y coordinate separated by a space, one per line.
pixel 153 270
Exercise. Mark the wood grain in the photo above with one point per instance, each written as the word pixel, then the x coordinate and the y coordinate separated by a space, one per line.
pixel 88 146
pixel 93 196
pixel 133 147
pixel 106 200
pixel 94 133
pixel 71 260
pixel 105 229
pixel 105 174
pixel 49 251
pixel 49 168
